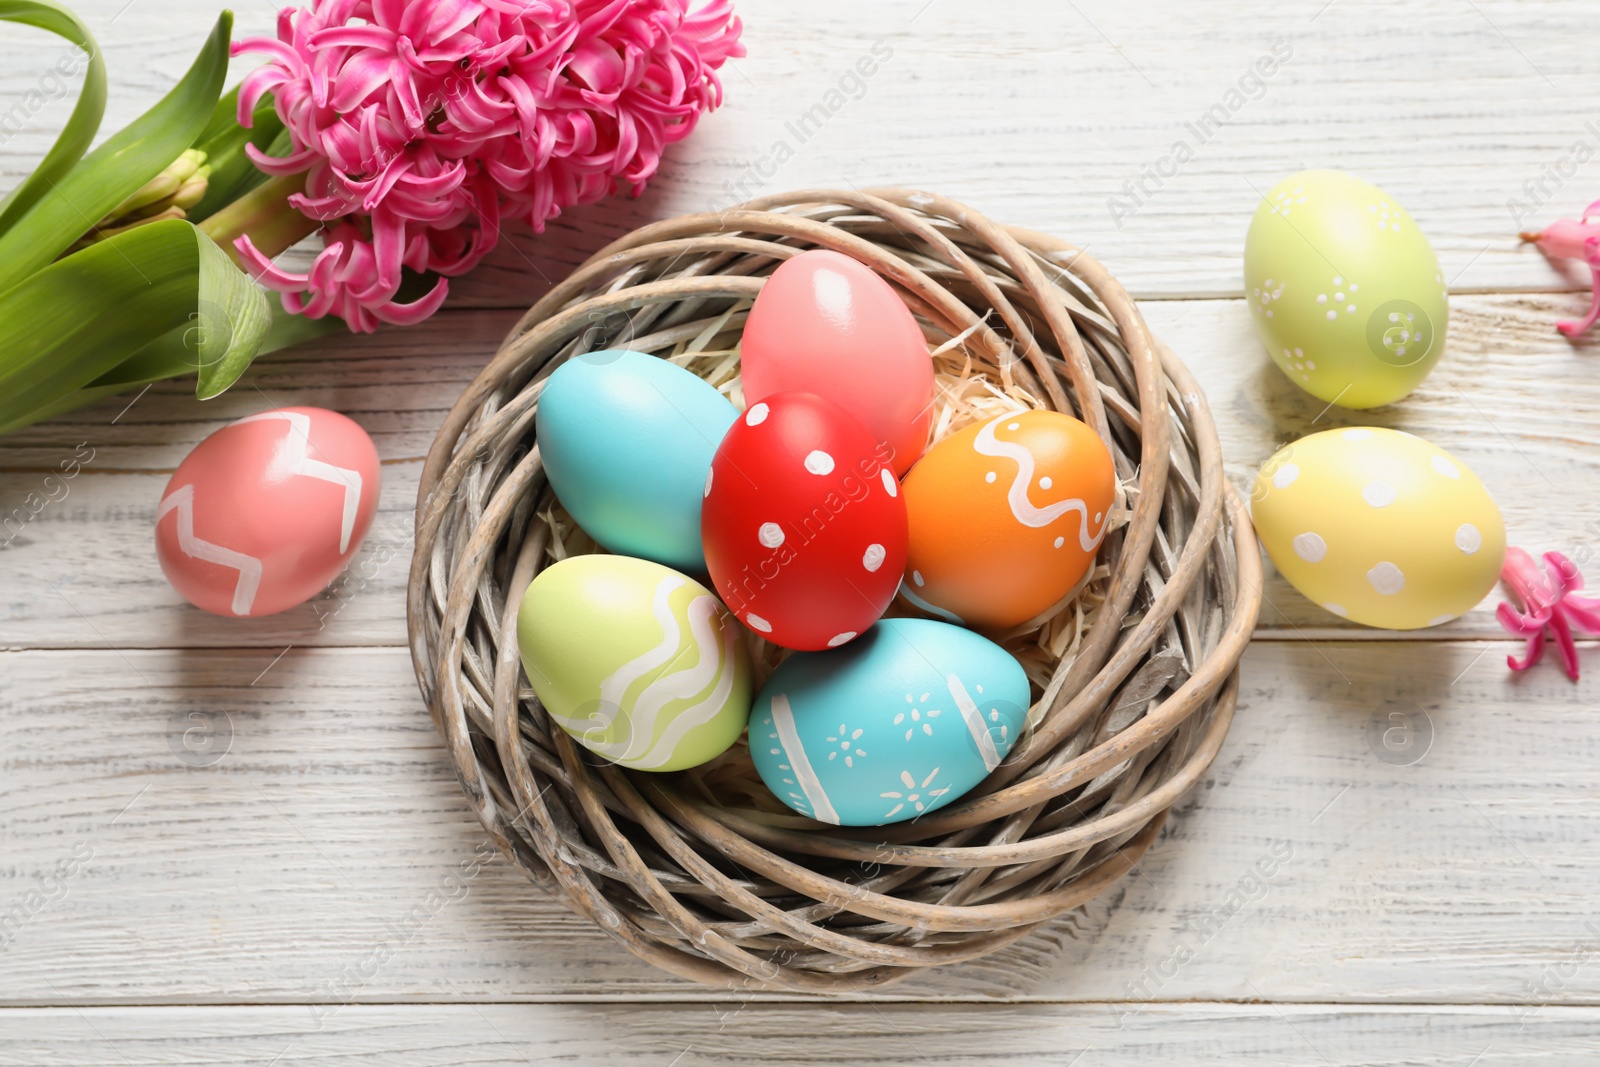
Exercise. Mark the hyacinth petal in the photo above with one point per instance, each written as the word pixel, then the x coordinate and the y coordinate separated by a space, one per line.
pixel 376 37
pixel 450 17
pixel 379 188
pixel 255 85
pixel 321 208
pixel 1514 622
pixel 438 118
pixel 263 271
pixel 1549 607
pixel 389 13
pixel 1519 572
pixel 1565 647
pixel 388 246
pixel 1533 652
pixel 521 98
pixel 599 65
pixel 325 295
pixel 294 303
pixel 487 59
pixel 361 74
pixel 277 51
pixel 436 186
pixel 1584 614
pixel 419 309
pixel 1563 572
pixel 558 43
pixel 346 150
pixel 413 22
pixel 602 19
pixel 1558 576
pixel 293 163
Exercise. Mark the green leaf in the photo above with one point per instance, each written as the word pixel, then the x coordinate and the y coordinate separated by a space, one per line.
pixel 226 305
pixel 281 145
pixel 289 330
pixel 163 293
pixel 71 402
pixel 222 118
pixel 79 132
pixel 167 357
pixel 109 174
pixel 223 142
pixel 231 319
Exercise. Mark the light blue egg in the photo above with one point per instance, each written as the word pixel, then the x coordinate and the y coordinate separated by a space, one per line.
pixel 627 441
pixel 899 722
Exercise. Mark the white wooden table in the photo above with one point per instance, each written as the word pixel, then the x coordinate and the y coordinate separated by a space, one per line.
pixel 230 842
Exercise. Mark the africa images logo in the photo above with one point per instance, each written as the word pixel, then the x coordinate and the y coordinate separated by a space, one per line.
pixel 1400 333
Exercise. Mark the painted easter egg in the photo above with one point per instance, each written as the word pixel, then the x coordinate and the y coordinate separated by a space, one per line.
pixel 826 324
pixel 626 441
pixel 1005 518
pixel 640 664
pixel 266 511
pixel 1379 527
pixel 1344 289
pixel 805 528
pixel 898 723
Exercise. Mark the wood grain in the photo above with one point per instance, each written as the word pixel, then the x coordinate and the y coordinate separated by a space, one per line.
pixel 264 879
pixel 636 1035
pixel 291 831
pixel 1513 399
pixel 1039 113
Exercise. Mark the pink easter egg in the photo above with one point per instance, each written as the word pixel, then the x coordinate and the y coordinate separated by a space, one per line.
pixel 266 511
pixel 803 523
pixel 826 324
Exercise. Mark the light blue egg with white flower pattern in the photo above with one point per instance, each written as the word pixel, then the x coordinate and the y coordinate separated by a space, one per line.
pixel 901 721
pixel 627 441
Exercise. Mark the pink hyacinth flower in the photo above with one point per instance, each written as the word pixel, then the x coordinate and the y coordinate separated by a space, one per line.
pixel 1575 239
pixel 421 124
pixel 1549 604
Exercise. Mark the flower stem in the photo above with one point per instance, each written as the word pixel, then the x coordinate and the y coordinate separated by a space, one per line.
pixel 266 215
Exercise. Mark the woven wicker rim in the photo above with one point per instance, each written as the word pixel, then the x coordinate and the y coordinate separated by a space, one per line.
pixel 730 896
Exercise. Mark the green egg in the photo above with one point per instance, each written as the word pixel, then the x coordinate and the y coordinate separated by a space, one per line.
pixel 1345 291
pixel 639 663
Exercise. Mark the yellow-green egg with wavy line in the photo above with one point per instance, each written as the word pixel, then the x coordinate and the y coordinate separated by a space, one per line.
pixel 639 663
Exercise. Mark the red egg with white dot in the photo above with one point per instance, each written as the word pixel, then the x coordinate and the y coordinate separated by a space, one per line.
pixel 803 524
pixel 266 511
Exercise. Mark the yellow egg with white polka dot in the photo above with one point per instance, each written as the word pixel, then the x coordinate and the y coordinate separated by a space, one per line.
pixel 1379 526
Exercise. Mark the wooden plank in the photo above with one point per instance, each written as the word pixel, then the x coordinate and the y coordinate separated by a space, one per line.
pixel 1389 822
pixel 77 551
pixel 1392 820
pixel 843 1035
pixel 1514 400
pixel 1047 115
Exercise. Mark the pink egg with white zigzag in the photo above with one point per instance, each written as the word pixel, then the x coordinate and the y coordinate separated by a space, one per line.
pixel 266 511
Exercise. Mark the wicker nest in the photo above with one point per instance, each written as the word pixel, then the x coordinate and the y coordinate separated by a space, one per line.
pixel 1134 681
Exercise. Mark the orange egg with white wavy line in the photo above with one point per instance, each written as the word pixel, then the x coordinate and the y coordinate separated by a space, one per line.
pixel 1005 517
